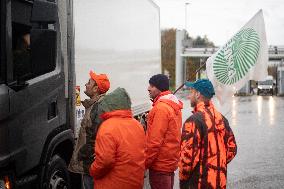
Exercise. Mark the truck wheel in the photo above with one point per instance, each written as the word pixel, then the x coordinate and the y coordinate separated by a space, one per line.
pixel 57 176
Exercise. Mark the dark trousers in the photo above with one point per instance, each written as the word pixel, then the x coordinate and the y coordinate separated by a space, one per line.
pixel 161 180
pixel 88 182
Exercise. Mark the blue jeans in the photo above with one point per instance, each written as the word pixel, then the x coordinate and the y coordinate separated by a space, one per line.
pixel 88 182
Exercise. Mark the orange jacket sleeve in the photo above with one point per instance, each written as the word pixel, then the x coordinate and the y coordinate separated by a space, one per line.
pixel 105 149
pixel 190 150
pixel 157 127
pixel 231 145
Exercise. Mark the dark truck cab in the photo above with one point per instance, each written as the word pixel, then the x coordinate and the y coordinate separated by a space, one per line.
pixel 36 93
pixel 37 77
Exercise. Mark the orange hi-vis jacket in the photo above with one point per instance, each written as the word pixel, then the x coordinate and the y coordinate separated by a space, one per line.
pixel 207 146
pixel 163 133
pixel 120 152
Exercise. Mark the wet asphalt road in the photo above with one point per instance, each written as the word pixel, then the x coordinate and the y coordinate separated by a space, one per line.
pixel 258 125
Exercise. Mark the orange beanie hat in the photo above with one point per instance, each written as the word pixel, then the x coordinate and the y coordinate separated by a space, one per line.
pixel 101 80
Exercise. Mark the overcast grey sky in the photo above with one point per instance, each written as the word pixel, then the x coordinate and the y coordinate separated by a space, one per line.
pixel 221 19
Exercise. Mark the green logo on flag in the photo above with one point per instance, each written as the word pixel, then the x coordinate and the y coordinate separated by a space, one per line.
pixel 235 58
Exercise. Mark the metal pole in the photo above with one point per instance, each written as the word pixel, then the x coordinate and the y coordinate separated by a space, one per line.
pixel 185 14
pixel 181 86
pixel 179 59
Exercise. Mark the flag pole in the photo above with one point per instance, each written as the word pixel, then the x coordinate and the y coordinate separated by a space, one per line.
pixel 188 79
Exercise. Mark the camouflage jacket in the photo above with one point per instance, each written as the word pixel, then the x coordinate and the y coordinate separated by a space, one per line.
pixel 83 154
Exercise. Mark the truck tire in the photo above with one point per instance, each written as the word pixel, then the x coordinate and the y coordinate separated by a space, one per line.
pixel 57 175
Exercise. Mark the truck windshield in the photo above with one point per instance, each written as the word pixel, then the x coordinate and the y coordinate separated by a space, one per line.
pixel 267 82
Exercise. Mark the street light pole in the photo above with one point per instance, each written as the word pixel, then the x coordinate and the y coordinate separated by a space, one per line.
pixel 185 16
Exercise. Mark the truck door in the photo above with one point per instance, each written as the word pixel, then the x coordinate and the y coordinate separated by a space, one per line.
pixel 4 113
pixel 4 89
pixel 36 93
pixel 4 98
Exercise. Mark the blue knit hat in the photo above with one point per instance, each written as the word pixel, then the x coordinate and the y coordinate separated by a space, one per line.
pixel 160 81
pixel 204 86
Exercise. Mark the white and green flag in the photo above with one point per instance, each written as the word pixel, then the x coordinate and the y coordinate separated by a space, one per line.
pixel 244 57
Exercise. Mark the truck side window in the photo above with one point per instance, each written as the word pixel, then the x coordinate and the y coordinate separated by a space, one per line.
pixel 21 51
pixel 25 67
pixel 2 31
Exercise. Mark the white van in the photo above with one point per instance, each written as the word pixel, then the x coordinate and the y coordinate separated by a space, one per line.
pixel 266 86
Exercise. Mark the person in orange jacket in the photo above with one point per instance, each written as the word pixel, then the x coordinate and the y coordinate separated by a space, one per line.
pixel 163 133
pixel 208 143
pixel 120 145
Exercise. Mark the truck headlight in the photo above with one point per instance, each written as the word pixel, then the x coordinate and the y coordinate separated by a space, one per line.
pixel 5 183
pixel 270 87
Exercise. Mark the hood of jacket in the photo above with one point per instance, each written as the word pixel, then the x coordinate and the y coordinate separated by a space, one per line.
pixel 170 99
pixel 116 103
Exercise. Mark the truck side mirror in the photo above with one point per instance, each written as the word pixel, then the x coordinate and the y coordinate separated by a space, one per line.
pixel 44 11
pixel 43 51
